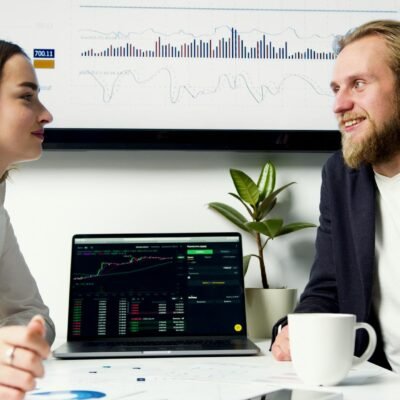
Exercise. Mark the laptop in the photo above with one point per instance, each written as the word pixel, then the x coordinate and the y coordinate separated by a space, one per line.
pixel 144 295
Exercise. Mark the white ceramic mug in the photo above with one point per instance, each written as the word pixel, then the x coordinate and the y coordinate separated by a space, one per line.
pixel 322 346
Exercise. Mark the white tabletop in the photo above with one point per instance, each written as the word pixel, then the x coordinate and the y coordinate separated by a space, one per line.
pixel 195 378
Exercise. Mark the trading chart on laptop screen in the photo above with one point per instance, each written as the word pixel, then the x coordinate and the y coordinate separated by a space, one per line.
pixel 144 286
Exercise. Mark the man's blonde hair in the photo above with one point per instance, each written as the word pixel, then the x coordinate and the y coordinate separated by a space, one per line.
pixel 389 30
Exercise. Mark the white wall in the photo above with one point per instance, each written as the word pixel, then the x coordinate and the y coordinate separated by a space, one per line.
pixel 68 192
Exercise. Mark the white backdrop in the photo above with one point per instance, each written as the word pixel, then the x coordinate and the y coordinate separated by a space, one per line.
pixel 68 192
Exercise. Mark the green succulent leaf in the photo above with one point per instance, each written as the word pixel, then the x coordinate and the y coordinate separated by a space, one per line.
pixel 270 227
pixel 268 203
pixel 231 214
pixel 266 181
pixel 245 187
pixel 295 226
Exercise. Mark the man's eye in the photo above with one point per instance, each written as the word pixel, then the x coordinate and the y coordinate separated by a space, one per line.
pixel 359 84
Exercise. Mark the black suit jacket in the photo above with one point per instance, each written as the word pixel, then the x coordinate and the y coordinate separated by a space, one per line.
pixel 341 277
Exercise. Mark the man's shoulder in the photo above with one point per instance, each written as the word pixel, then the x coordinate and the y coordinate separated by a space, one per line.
pixel 335 158
pixel 335 163
pixel 336 168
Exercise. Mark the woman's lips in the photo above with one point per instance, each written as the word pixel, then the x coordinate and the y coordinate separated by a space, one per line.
pixel 39 133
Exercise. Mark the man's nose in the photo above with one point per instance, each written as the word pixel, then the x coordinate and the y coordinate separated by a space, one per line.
pixel 343 102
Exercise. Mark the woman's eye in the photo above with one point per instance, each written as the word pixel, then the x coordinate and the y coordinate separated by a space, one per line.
pixel 27 97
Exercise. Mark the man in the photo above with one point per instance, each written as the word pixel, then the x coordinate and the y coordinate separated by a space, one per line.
pixel 356 269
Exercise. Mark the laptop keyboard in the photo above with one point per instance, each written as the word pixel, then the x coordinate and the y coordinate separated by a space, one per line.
pixel 209 343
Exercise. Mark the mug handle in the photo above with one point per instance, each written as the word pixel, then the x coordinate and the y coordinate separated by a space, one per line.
pixel 371 343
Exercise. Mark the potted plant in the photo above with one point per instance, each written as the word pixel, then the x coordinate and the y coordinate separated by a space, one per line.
pixel 259 199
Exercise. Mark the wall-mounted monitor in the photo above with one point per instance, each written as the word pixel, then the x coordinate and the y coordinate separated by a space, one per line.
pixel 193 74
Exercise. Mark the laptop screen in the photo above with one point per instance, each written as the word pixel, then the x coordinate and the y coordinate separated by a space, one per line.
pixel 156 285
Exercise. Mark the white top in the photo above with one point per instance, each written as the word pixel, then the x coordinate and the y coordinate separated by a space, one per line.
pixel 19 295
pixel 387 250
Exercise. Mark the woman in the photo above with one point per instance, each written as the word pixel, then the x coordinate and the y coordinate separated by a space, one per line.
pixel 26 330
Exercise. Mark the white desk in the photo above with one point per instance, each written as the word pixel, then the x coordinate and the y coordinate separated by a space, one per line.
pixel 205 378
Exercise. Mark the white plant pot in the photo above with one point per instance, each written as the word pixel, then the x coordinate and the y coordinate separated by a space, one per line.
pixel 264 307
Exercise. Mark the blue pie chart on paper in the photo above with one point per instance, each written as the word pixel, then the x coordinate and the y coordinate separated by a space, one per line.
pixel 69 394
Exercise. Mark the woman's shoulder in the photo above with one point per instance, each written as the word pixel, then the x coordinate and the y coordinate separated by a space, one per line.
pixel 2 193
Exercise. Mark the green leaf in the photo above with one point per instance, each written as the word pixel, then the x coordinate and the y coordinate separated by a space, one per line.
pixel 246 262
pixel 266 181
pixel 295 226
pixel 266 205
pixel 247 207
pixel 270 227
pixel 260 214
pixel 231 214
pixel 245 187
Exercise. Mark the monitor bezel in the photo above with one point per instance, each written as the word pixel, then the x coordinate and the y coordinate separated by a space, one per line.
pixel 193 139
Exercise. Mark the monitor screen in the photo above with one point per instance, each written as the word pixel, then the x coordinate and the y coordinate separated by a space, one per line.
pixel 191 71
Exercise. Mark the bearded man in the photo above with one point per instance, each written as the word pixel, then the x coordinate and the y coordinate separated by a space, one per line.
pixel 356 268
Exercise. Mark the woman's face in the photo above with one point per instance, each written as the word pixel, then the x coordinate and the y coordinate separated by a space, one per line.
pixel 22 115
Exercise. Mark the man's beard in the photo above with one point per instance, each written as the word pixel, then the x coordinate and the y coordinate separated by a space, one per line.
pixel 379 145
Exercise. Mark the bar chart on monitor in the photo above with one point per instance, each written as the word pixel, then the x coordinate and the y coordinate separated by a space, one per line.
pixel 200 64
pixel 181 65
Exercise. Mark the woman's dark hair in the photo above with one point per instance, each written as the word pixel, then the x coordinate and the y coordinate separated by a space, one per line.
pixel 7 50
